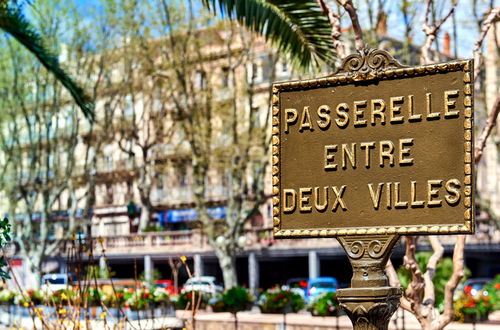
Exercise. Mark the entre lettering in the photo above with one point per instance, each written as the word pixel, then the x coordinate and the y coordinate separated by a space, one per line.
pixel 367 154
pixel 364 113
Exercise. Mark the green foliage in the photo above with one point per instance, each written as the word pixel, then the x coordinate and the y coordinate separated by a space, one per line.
pixel 234 300
pixel 299 29
pixel 140 299
pixel 493 289
pixel 325 304
pixel 155 275
pixel 150 229
pixel 444 270
pixel 5 238
pixel 94 272
pixel 31 297
pixel 7 297
pixel 469 307
pixel 161 297
pixel 13 22
pixel 185 300
pixel 114 298
pixel 280 301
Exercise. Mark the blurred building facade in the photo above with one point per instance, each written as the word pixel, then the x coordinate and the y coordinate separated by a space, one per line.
pixel 174 230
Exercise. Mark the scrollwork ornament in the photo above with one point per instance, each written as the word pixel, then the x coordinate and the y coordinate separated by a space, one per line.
pixel 375 249
pixel 356 250
pixel 367 64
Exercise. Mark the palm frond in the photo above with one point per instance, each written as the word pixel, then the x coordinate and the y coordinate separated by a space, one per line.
pixel 298 28
pixel 13 22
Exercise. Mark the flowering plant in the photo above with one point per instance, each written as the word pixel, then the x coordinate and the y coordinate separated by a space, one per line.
pixel 161 297
pixel 469 307
pixel 114 298
pixel 7 297
pixel 493 290
pixel 31 296
pixel 325 304
pixel 139 300
pixel 280 301
pixel 234 300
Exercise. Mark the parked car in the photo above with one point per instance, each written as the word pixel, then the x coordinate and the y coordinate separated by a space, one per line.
pixel 297 285
pixel 472 286
pixel 206 284
pixel 56 281
pixel 166 285
pixel 319 285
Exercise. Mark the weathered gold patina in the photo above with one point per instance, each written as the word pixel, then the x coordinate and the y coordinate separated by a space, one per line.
pixel 377 148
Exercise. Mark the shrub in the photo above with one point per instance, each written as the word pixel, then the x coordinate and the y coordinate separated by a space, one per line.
pixel 442 274
pixel 161 297
pixel 280 301
pixel 185 300
pixel 325 304
pixel 493 289
pixel 7 297
pixel 31 296
pixel 234 300
pixel 114 299
pixel 469 307
pixel 139 300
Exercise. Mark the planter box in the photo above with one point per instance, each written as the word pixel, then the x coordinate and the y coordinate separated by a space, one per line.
pixel 474 318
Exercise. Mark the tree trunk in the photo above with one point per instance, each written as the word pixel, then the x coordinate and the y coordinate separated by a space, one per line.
pixel 144 219
pixel 33 273
pixel 227 262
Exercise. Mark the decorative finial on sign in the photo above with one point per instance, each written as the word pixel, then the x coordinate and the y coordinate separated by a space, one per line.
pixel 366 64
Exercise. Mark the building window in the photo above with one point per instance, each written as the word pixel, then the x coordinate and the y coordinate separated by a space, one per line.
pixel 128 107
pixel 284 67
pixel 108 163
pixel 201 79
pixel 225 77
pixel 130 191
pixel 109 193
pixel 159 183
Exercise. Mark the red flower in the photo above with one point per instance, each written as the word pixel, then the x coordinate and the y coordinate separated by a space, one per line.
pixel 470 304
pixel 303 284
pixel 468 289
pixel 497 286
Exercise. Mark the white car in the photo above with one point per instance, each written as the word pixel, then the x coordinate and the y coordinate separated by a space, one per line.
pixel 206 284
pixel 55 282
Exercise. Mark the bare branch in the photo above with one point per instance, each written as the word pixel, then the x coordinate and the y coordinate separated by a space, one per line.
pixel 485 25
pixel 429 296
pixel 492 119
pixel 451 285
pixel 431 30
pixel 353 14
pixel 336 28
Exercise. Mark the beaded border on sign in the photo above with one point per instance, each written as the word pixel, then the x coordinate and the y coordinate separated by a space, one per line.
pixel 400 72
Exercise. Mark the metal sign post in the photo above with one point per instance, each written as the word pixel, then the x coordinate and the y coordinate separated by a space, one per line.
pixel 375 151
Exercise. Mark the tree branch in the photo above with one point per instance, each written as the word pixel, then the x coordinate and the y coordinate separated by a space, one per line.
pixel 334 20
pixel 492 119
pixel 356 27
pixel 451 285
pixel 429 295
pixel 485 25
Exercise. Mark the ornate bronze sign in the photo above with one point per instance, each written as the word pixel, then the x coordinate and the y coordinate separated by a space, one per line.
pixel 377 148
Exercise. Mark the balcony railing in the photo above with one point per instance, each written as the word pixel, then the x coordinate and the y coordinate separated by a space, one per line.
pixel 194 241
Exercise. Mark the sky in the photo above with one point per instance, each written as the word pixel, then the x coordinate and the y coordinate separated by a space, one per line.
pixel 467 30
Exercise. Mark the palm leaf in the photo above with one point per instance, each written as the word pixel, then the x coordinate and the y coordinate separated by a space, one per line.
pixel 14 23
pixel 298 28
